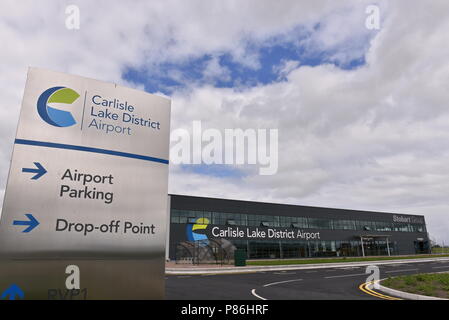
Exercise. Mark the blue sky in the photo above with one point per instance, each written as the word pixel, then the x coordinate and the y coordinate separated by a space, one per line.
pixel 216 170
pixel 270 55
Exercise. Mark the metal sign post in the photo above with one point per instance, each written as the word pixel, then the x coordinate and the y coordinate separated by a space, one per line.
pixel 84 214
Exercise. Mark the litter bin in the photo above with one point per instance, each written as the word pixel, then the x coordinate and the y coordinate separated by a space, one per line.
pixel 239 258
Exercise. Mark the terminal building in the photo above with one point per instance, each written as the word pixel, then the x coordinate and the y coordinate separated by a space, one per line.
pixel 281 231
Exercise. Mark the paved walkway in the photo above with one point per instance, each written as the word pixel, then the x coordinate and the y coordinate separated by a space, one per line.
pixel 189 266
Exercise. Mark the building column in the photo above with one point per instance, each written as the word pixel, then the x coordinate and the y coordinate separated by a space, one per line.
pixel 388 248
pixel 167 233
pixel 363 249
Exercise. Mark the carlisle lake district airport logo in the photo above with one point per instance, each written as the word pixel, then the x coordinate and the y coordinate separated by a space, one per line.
pixel 193 230
pixel 54 116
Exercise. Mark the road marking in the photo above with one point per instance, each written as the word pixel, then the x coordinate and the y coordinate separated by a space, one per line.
pixel 347 275
pixel 440 267
pixel 253 292
pixel 365 288
pixel 311 271
pixel 184 276
pixel 405 270
pixel 283 272
pixel 279 282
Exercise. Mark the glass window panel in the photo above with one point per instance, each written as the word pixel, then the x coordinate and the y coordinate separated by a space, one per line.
pixel 214 218
pixel 191 219
pixel 207 214
pixel 316 223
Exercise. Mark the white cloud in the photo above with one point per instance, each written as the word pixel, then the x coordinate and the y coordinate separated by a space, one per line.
pixel 214 71
pixel 373 138
pixel 285 67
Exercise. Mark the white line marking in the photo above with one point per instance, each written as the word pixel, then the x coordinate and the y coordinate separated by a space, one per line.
pixel 347 275
pixel 279 282
pixel 253 292
pixel 440 267
pixel 311 271
pixel 184 276
pixel 284 272
pixel 401 270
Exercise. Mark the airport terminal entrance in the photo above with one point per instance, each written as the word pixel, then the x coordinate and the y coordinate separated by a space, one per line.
pixel 421 246
pixel 376 245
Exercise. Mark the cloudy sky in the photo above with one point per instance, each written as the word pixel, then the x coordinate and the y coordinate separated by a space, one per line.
pixel 363 115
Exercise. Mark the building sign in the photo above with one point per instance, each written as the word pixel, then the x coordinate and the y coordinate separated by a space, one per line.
pixel 87 187
pixel 408 219
pixel 262 233
pixel 201 230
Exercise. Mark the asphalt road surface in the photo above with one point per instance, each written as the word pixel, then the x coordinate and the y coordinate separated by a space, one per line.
pixel 313 284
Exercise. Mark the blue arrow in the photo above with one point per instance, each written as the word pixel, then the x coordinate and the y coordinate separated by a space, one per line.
pixel 39 170
pixel 32 223
pixel 12 292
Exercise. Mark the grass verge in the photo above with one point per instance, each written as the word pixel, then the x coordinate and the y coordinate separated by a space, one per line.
pixel 440 250
pixel 334 260
pixel 435 285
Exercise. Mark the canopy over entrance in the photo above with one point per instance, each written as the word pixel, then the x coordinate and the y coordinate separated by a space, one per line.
pixel 369 237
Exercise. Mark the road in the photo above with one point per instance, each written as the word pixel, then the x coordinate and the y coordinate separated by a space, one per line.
pixel 316 284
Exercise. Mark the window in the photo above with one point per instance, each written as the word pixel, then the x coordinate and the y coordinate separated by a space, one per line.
pixel 419 228
pixel 401 227
pixel 383 226
pixel 344 224
pixel 300 222
pixel 191 220
pixel 244 219
pixel 315 223
pixel 215 218
pixel 366 225
pixel 207 215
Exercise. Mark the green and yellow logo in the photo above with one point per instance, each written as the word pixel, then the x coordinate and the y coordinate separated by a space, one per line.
pixel 193 228
pixel 51 115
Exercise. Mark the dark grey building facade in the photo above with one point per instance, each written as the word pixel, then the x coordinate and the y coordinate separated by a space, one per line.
pixel 281 231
